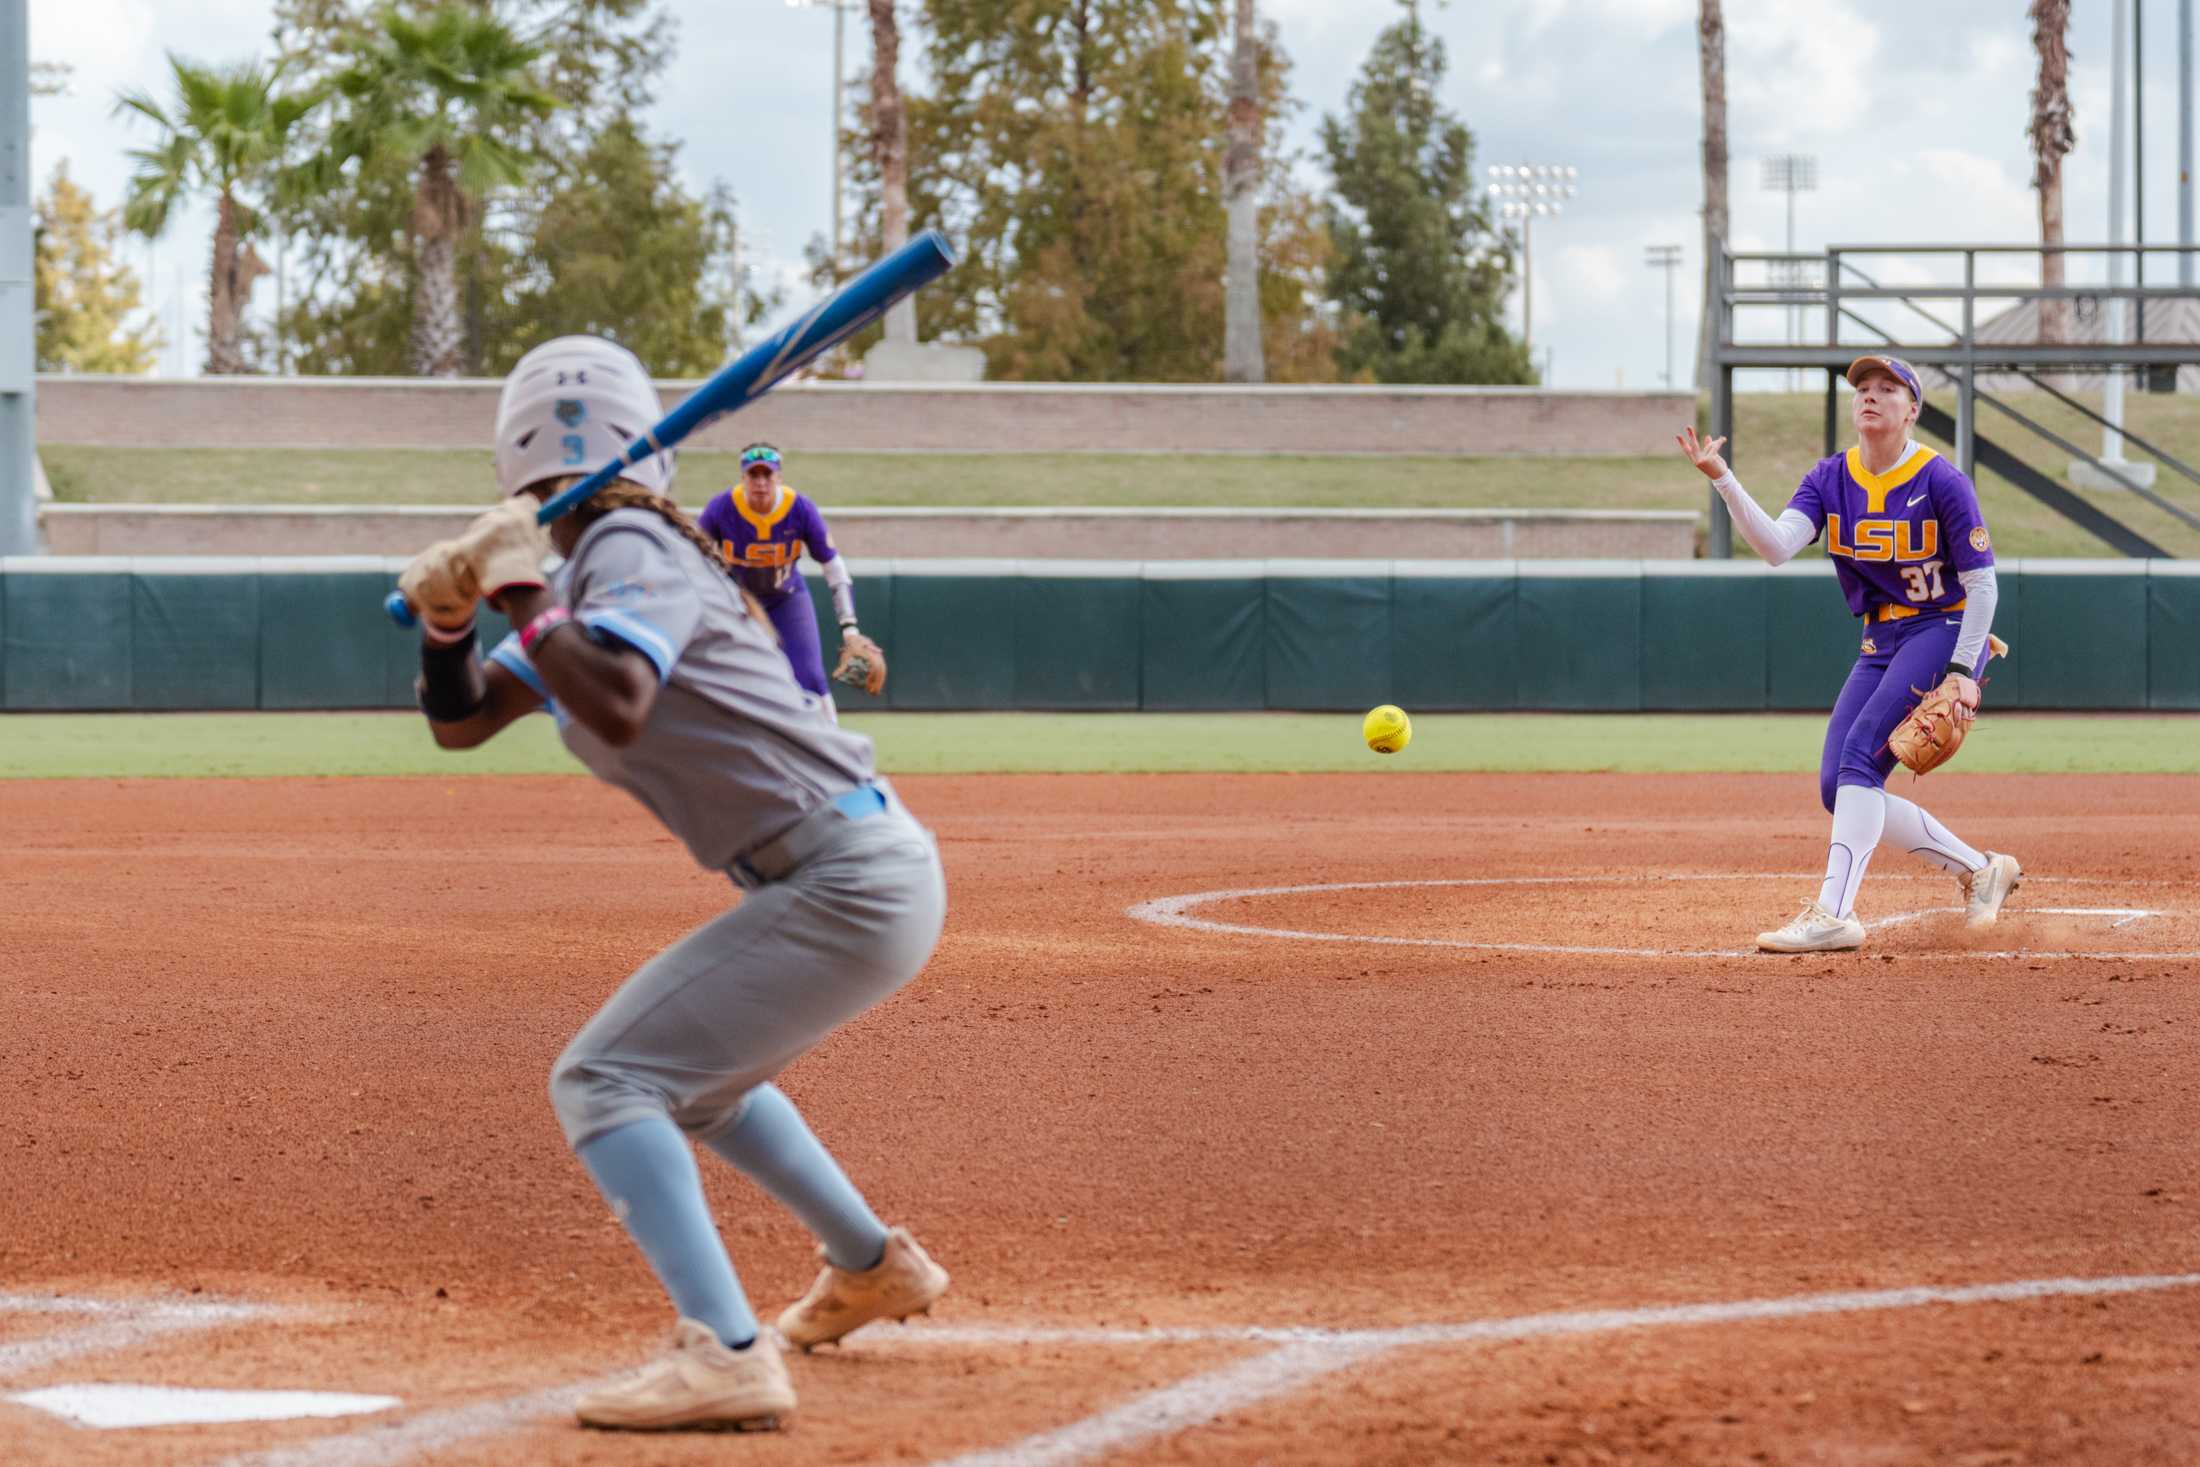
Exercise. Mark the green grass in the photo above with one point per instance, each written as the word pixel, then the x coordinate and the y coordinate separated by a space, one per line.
pixel 1778 436
pixel 113 746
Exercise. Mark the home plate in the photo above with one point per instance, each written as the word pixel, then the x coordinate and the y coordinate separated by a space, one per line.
pixel 108 1406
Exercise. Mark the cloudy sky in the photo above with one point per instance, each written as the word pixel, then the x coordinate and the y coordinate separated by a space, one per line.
pixel 1915 112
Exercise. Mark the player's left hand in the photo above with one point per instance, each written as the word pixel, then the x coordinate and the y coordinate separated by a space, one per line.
pixel 440 584
pixel 862 663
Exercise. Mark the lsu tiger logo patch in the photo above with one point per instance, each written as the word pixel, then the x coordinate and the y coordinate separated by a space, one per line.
pixel 1869 647
pixel 1979 542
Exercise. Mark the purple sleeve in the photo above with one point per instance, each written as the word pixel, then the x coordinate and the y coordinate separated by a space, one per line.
pixel 1955 503
pixel 710 520
pixel 814 534
pixel 1806 498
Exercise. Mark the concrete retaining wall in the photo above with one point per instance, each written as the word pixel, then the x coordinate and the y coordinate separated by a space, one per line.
pixel 868 534
pixel 821 417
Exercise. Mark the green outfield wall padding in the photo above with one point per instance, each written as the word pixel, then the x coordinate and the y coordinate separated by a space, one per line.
pixel 1811 641
pixel 954 642
pixel 1076 642
pixel 294 635
pixel 184 634
pixel 1454 643
pixel 2085 641
pixel 1580 642
pixel 324 640
pixel 2173 642
pixel 1202 643
pixel 1703 642
pixel 875 619
pixel 1328 642
pixel 67 640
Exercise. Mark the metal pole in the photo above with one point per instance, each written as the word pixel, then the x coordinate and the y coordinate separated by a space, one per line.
pixel 1833 338
pixel 840 11
pixel 18 341
pixel 2184 142
pixel 1719 530
pixel 1967 384
pixel 2139 161
pixel 2112 393
pixel 1527 285
pixel 1671 261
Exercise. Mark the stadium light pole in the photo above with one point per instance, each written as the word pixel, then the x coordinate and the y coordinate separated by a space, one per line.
pixel 1666 257
pixel 1524 191
pixel 18 348
pixel 839 9
pixel 1791 174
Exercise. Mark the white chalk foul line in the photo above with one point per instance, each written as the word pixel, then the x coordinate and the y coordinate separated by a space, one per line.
pixel 1175 911
pixel 1204 1398
pixel 120 1326
pixel 387 1444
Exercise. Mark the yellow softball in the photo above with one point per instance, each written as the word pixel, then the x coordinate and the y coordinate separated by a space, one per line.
pixel 1387 729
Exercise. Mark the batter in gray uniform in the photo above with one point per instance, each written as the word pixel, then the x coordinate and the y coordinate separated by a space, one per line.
pixel 668 682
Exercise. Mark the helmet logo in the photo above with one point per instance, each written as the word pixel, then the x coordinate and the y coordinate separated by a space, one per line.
pixel 570 410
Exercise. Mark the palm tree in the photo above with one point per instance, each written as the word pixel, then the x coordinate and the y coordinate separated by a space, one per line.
pixel 226 133
pixel 890 149
pixel 1711 61
pixel 450 96
pixel 1240 191
pixel 2052 137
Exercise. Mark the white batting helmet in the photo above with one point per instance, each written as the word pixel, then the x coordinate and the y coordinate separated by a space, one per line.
pixel 573 405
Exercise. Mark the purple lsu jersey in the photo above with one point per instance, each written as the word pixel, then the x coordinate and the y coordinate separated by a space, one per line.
pixel 1898 538
pixel 762 549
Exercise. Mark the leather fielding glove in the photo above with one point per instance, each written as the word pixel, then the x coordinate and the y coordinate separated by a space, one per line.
pixel 440 585
pixel 862 663
pixel 506 548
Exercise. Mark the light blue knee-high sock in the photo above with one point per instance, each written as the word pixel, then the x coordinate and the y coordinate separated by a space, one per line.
pixel 774 1148
pixel 646 1171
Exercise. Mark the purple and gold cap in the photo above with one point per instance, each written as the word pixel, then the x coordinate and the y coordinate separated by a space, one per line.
pixel 1900 370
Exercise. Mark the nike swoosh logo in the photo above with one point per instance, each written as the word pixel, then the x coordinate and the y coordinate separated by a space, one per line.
pixel 1915 501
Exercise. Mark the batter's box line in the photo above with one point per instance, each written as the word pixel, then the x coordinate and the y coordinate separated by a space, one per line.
pixel 1299 1357
pixel 116 1325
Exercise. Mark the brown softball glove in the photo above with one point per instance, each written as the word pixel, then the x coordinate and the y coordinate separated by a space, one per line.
pixel 1937 726
pixel 862 663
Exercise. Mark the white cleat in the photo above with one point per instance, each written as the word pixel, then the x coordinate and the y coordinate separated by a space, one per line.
pixel 697 1384
pixel 904 1282
pixel 1814 930
pixel 1985 889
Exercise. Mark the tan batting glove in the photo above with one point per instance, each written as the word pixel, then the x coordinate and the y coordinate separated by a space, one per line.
pixel 506 547
pixel 441 586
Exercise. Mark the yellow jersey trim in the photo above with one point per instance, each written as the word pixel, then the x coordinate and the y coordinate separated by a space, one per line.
pixel 762 524
pixel 1877 487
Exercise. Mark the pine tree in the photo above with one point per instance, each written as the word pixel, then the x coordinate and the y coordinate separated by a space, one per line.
pixel 85 294
pixel 1419 268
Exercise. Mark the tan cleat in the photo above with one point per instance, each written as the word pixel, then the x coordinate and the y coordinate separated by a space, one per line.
pixel 906 1281
pixel 697 1384
pixel 1985 889
pixel 1814 930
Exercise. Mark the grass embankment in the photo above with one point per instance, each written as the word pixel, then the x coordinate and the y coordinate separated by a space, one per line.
pixel 114 746
pixel 1778 437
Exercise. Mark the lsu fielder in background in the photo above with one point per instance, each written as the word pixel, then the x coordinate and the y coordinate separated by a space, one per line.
pixel 1903 529
pixel 666 682
pixel 763 527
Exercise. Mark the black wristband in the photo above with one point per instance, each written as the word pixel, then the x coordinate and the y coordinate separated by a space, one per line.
pixel 1958 669
pixel 451 686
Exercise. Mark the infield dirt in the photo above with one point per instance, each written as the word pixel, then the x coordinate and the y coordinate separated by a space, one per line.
pixel 286 1042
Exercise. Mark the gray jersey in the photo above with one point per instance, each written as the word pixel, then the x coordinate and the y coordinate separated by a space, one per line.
pixel 734 751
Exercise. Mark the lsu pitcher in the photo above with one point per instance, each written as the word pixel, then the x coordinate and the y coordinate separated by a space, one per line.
pixel 667 683
pixel 1910 548
pixel 763 526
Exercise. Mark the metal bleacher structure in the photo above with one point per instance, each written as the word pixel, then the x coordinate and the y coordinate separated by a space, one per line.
pixel 1970 326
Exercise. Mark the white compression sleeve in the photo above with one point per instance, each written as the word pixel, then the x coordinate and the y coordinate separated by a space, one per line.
pixel 843 587
pixel 1912 828
pixel 1980 595
pixel 1859 817
pixel 1776 540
